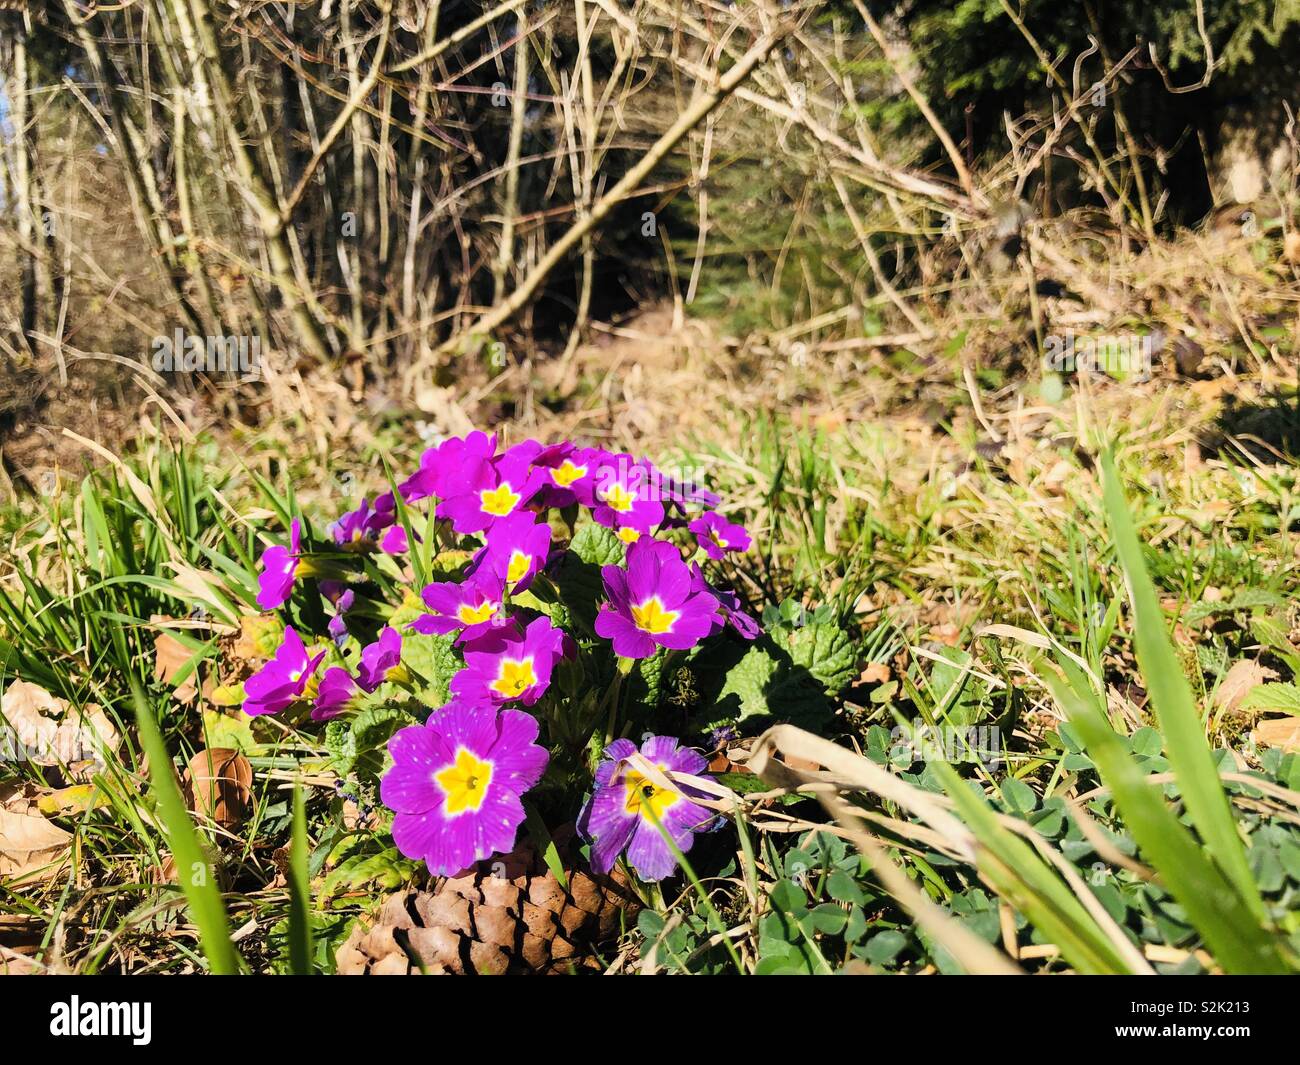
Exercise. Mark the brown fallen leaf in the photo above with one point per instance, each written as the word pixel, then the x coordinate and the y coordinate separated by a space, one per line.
pixel 1239 681
pixel 164 872
pixel 31 846
pixel 14 964
pixel 875 673
pixel 76 799
pixel 170 656
pixel 52 733
pixel 1291 248
pixel 218 784
pixel 720 763
pixel 1281 732
pixel 21 934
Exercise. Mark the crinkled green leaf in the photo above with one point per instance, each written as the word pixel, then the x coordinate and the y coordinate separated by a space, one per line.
pixel 596 545
pixel 1281 697
pixel 762 687
pixel 827 652
pixel 645 684
pixel 366 868
pixel 358 744
pixel 433 661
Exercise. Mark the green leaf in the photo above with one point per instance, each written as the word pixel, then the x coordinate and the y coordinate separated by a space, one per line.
pixel 884 947
pixel 358 744
pixel 761 686
pixel 1030 885
pixel 827 652
pixel 1274 632
pixel 1244 600
pixel 960 697
pixel 300 930
pixel 843 888
pixel 1018 796
pixel 234 731
pixel 645 684
pixel 650 924
pixel 1146 743
pixel 1175 708
pixel 577 577
pixel 435 660
pixel 360 862
pixel 545 844
pixel 1217 910
pixel 596 545
pixel 198 880
pixel 1283 697
pixel 827 918
pixel 789 897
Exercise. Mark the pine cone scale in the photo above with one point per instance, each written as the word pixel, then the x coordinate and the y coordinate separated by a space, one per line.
pixel 514 918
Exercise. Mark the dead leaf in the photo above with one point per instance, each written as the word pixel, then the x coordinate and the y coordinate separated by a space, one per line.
pixel 258 638
pixel 948 634
pixel 1281 732
pixel 720 764
pixel 165 872
pixel 31 846
pixel 54 734
pixel 1240 680
pixel 218 784
pixel 170 656
pixel 875 673
pixel 74 800
pixel 14 964
pixel 1054 480
pixel 1291 248
pixel 21 936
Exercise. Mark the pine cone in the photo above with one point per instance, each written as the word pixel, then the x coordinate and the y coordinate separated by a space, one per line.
pixel 509 915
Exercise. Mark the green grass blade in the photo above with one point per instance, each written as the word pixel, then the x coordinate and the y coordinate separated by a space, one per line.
pixel 1030 885
pixel 1214 907
pixel 300 931
pixel 545 844
pixel 1175 708
pixel 414 554
pixel 198 880
pixel 714 920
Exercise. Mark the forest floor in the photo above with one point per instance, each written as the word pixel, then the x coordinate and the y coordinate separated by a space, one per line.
pixel 950 509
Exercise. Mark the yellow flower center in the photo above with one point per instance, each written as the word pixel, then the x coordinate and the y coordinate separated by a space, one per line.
pixel 475 615
pixel 499 501
pixel 627 535
pixel 465 782
pixel 713 535
pixel 514 677
pixel 650 616
pixel 643 795
pixel 566 473
pixel 619 498
pixel 518 568
pixel 296 675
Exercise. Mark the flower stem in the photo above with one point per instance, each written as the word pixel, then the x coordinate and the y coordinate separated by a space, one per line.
pixel 612 699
